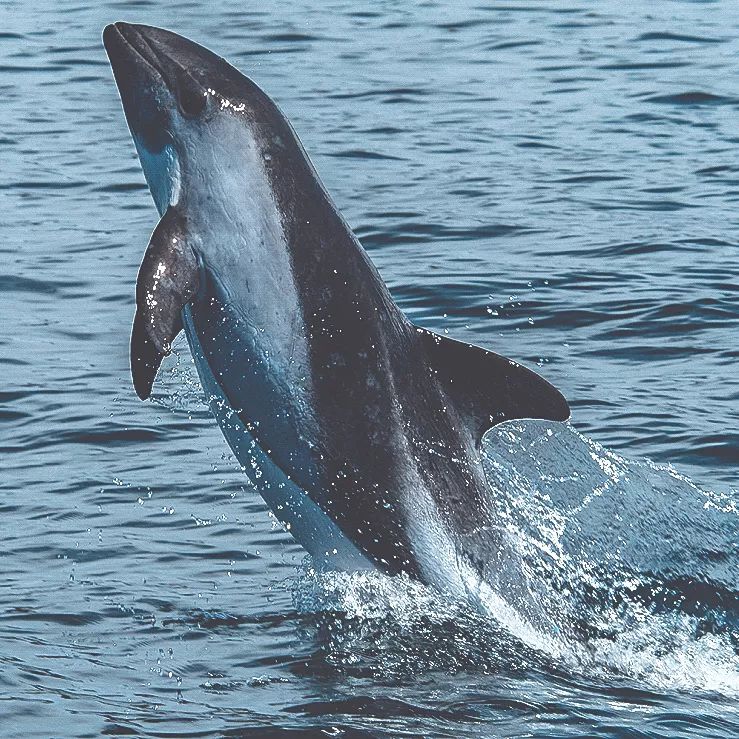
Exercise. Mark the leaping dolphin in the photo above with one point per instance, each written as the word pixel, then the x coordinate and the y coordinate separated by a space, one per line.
pixel 360 430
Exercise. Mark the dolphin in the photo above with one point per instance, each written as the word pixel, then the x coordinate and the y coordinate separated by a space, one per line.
pixel 361 430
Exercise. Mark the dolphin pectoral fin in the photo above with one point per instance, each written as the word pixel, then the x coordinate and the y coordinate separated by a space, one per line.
pixel 167 281
pixel 486 388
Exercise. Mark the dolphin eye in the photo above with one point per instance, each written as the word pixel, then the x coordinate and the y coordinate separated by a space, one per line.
pixel 190 97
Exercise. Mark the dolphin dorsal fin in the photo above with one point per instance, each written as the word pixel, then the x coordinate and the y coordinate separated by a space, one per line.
pixel 167 281
pixel 486 388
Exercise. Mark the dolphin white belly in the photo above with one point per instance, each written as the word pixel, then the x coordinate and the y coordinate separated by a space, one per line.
pixel 310 526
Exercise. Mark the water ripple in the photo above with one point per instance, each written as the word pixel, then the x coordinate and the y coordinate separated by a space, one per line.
pixel 555 182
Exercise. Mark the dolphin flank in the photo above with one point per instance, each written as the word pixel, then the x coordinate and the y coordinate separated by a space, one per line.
pixel 360 430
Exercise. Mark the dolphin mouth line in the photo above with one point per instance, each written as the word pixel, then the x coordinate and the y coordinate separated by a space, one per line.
pixel 136 42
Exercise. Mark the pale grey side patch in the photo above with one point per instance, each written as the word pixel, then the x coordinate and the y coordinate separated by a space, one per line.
pixel 229 200
pixel 445 566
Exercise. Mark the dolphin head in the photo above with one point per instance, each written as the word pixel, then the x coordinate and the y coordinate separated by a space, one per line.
pixel 187 108
pixel 238 199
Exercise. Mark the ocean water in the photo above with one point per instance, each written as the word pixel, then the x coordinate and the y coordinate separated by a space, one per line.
pixel 558 182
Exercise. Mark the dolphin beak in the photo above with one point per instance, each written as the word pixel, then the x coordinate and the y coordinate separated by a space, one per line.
pixel 165 52
pixel 127 42
pixel 142 84
pixel 137 51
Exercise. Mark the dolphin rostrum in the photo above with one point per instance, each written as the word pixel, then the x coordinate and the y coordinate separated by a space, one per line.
pixel 360 430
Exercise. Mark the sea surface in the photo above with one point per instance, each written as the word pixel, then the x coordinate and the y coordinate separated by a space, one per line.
pixel 557 181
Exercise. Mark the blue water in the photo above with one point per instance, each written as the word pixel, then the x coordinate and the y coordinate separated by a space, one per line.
pixel 556 181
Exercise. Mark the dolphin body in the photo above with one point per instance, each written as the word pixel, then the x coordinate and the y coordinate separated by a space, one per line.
pixel 360 430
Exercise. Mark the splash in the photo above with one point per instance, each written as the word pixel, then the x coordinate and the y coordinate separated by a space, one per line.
pixel 620 567
pixel 178 387
pixel 393 627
